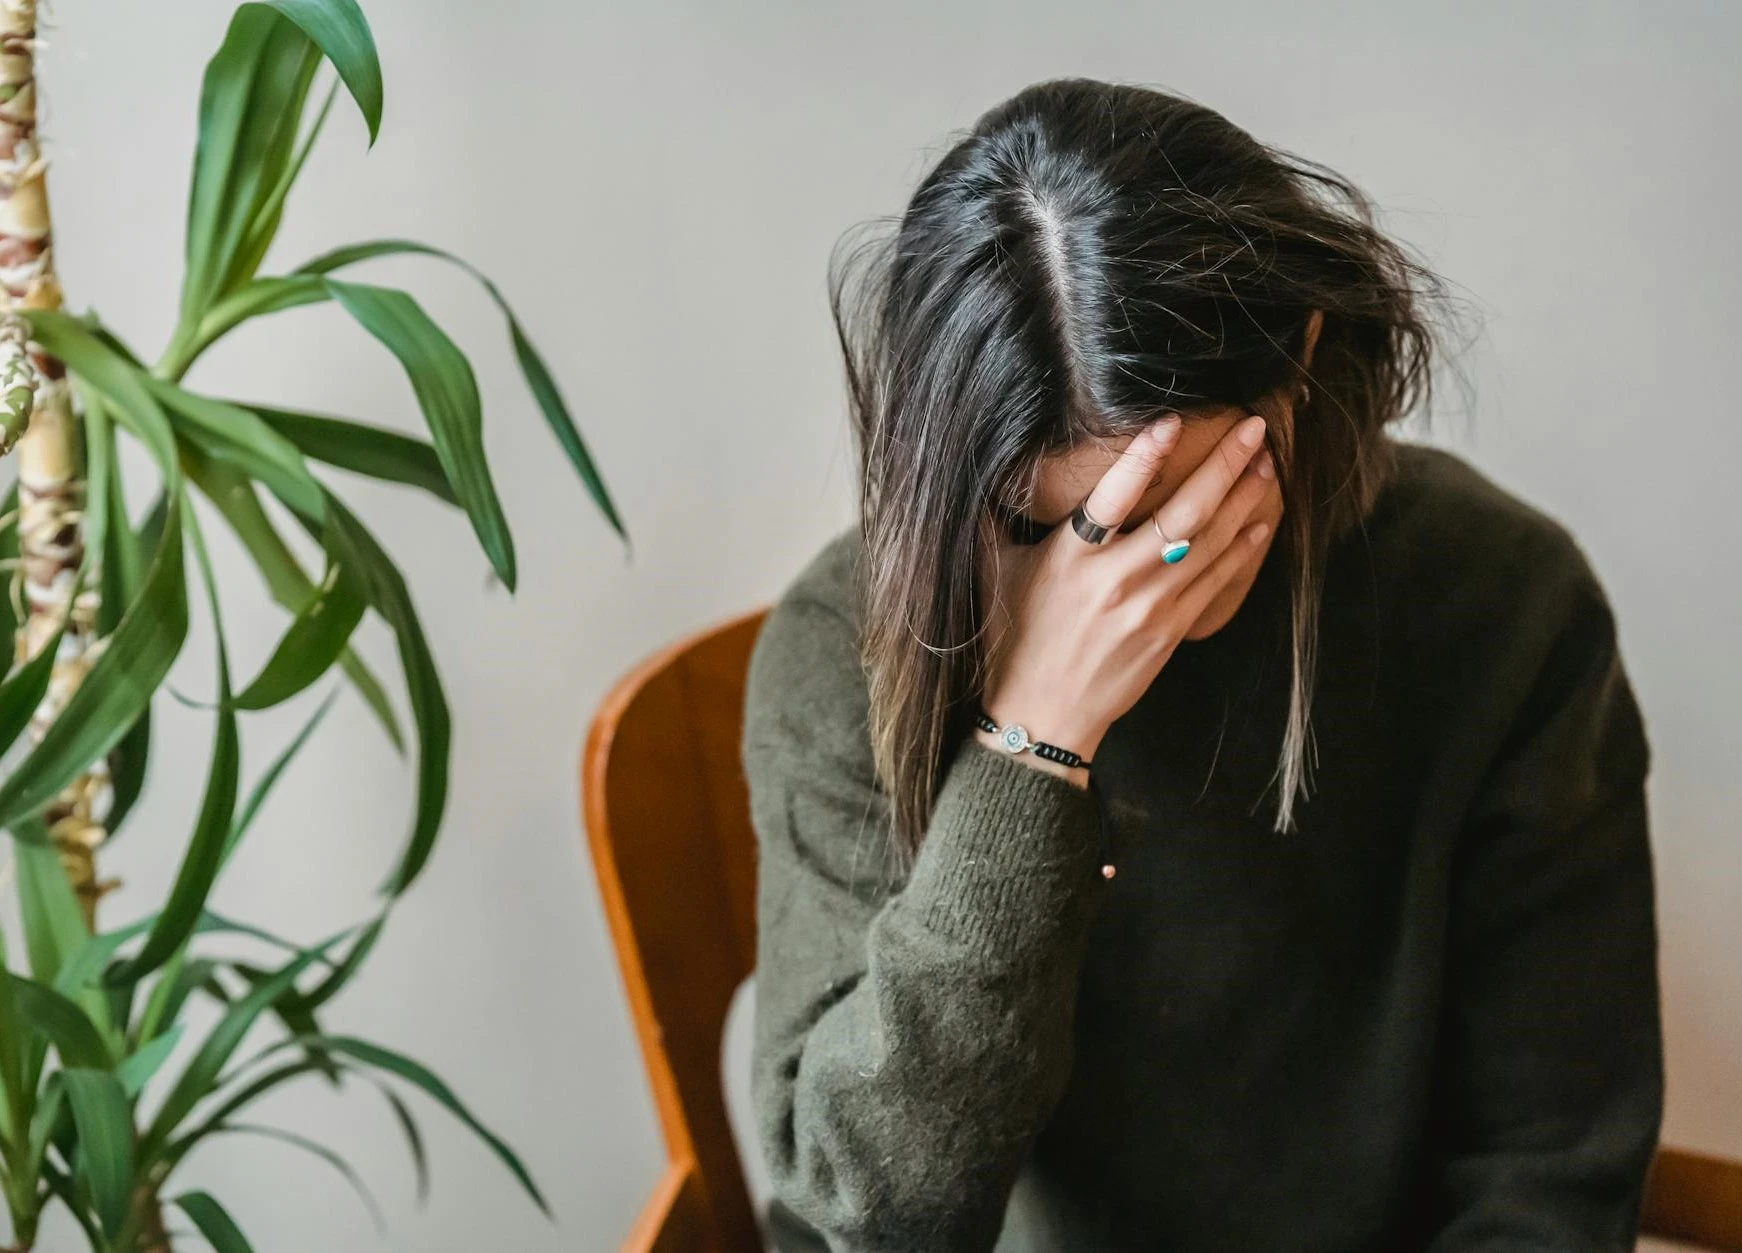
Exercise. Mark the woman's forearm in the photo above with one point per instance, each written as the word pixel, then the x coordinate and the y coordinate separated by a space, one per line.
pixel 907 1055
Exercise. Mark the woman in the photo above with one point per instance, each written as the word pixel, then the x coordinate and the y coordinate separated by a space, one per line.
pixel 1121 384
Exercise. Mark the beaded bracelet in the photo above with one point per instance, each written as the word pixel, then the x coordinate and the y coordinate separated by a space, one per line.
pixel 1015 738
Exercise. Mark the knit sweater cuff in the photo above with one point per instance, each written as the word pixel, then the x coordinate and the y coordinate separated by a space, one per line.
pixel 1008 866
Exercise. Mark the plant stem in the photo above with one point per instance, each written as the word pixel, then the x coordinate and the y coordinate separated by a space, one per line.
pixel 51 486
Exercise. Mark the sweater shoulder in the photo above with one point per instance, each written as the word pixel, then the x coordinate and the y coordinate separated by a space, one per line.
pixel 1483 552
pixel 1498 603
pixel 806 689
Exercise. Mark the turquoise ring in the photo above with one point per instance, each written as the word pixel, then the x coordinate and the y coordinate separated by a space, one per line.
pixel 1173 551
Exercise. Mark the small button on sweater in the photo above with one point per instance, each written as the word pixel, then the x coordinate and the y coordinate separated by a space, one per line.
pixel 1427 1019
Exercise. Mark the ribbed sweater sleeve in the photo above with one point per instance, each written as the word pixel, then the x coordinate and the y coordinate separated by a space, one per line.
pixel 911 1038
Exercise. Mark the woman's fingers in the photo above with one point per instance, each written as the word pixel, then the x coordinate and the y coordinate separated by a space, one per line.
pixel 1133 474
pixel 1188 512
pixel 1185 608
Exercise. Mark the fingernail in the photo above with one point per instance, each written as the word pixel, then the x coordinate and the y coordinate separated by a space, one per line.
pixel 1164 429
pixel 1252 431
pixel 1266 465
pixel 1257 533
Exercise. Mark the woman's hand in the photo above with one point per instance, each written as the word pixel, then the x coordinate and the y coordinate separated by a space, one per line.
pixel 1079 631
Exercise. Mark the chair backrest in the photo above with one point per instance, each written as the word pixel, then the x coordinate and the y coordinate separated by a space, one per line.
pixel 1694 1198
pixel 667 815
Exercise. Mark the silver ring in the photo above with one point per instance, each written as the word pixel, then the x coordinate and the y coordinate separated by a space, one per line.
pixel 1173 551
pixel 1087 529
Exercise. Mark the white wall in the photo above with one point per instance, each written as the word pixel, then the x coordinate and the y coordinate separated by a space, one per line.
pixel 657 187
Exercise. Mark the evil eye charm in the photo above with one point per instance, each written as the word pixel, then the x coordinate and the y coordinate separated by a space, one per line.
pixel 1014 738
pixel 1175 551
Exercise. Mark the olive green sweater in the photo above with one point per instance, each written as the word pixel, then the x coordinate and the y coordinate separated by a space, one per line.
pixel 1427 1020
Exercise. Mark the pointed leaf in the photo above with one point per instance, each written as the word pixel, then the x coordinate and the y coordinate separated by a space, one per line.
pixel 136 1069
pixel 234 496
pixel 237 435
pixel 317 637
pixel 54 927
pixel 251 106
pixel 214 1222
pixel 368 450
pixel 447 393
pixel 319 1150
pixel 105 1157
pixel 422 1078
pixel 205 850
pixel 202 1071
pixel 116 690
pixel 413 1140
pixel 386 591
pixel 61 1022
pixel 24 689
pixel 269 777
pixel 340 30
pixel 539 379
pixel 8 555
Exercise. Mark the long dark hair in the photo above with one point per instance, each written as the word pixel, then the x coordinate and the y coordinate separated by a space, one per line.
pixel 1088 256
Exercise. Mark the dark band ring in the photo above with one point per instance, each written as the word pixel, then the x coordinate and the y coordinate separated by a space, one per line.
pixel 1089 530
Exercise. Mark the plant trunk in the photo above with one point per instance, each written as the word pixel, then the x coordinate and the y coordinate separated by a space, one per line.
pixel 148 1221
pixel 51 485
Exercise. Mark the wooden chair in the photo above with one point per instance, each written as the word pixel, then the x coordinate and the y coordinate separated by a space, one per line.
pixel 667 816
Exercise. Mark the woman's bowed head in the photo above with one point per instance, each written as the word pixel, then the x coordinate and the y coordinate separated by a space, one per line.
pixel 1090 261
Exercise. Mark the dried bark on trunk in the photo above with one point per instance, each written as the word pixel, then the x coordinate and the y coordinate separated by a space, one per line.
pixel 51 486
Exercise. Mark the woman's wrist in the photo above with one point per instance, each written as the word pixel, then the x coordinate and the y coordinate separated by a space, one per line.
pixel 1060 729
pixel 1078 775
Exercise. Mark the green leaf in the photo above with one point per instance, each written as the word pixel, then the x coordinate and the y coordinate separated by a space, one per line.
pixel 115 691
pixel 86 958
pixel 128 553
pixel 319 1150
pixel 24 689
pixel 119 686
pixel 98 364
pixel 368 450
pixel 386 591
pixel 215 1224
pixel 293 1011
pixel 447 393
pixel 340 30
pixel 127 763
pixel 8 556
pixel 105 1158
pixel 421 1077
pixel 15 1092
pixel 136 1069
pixel 201 1073
pixel 61 1022
pixel 61 1187
pixel 236 500
pixel 236 1101
pixel 255 299
pixel 123 562
pixel 539 380
pixel 176 982
pixel 251 105
pixel 236 435
pixel 269 777
pixel 268 216
pixel 205 850
pixel 341 974
pixel 318 635
pixel 54 927
pixel 413 1140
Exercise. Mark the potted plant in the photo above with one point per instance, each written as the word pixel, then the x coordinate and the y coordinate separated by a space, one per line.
pixel 101 1098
